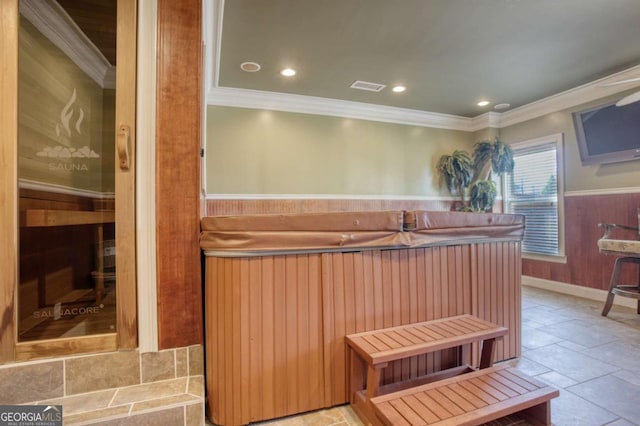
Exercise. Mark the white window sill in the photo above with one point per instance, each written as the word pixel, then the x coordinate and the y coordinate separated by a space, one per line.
pixel 559 258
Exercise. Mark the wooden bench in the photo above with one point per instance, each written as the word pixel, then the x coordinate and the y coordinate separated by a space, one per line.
pixel 469 399
pixel 371 351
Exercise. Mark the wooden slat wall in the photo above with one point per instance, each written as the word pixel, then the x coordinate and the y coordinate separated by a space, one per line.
pixel 264 337
pixel 179 111
pixel 284 206
pixel 585 265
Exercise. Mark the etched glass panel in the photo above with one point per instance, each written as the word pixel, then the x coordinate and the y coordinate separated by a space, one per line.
pixel 66 168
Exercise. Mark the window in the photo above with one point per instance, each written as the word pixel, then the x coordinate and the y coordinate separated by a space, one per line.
pixel 534 189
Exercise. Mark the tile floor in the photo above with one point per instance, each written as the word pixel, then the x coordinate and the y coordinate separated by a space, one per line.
pixel 594 361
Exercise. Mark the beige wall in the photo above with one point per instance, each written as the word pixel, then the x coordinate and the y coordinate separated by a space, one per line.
pixel 253 151
pixel 577 176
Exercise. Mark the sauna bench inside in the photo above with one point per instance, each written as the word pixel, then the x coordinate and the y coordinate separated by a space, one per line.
pixel 283 291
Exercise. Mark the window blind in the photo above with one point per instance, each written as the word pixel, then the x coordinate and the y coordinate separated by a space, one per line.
pixel 532 190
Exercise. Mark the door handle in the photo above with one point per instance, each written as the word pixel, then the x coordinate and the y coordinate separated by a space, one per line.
pixel 122 144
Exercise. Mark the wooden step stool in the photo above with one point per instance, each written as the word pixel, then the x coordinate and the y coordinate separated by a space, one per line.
pixel 371 351
pixel 468 400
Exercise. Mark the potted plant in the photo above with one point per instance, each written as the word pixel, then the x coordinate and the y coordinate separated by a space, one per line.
pixel 482 195
pixel 491 156
pixel 459 172
pixel 488 157
pixel 456 171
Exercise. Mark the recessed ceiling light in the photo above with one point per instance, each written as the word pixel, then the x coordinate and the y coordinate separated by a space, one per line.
pixel 399 89
pixel 288 72
pixel 483 103
pixel 250 66
pixel 502 106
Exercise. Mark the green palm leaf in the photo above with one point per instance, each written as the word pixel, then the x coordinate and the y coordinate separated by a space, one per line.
pixel 456 171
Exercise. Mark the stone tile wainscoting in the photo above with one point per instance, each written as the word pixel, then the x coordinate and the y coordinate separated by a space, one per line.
pixel 125 388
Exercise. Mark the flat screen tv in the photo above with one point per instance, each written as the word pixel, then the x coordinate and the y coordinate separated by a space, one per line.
pixel 608 134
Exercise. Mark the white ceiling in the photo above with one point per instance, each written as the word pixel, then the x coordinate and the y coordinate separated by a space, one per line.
pixel 449 53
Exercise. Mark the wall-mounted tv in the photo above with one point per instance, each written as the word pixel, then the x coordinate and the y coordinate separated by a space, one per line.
pixel 608 134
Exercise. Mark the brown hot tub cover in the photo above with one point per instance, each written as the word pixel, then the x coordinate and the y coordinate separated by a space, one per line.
pixel 429 227
pixel 294 232
pixel 349 231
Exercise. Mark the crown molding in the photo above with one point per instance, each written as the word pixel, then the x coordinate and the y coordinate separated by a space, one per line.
pixel 245 98
pixel 57 26
pixel 488 119
pixel 570 98
pixel 213 11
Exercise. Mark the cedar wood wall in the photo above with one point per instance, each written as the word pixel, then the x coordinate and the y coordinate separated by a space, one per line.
pixel 585 266
pixel 179 112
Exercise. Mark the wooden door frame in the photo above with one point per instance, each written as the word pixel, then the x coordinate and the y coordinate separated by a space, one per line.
pixel 126 261
pixel 9 26
pixel 126 335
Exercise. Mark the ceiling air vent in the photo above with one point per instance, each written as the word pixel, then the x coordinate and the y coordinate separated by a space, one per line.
pixel 365 85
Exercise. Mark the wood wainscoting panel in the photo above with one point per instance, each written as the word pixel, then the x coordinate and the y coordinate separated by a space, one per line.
pixel 585 266
pixel 224 207
pixel 179 111
pixel 263 337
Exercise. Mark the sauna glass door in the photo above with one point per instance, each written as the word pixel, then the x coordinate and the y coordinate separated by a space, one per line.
pixel 66 169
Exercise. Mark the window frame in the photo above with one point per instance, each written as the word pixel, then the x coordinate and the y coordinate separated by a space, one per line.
pixel 558 140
